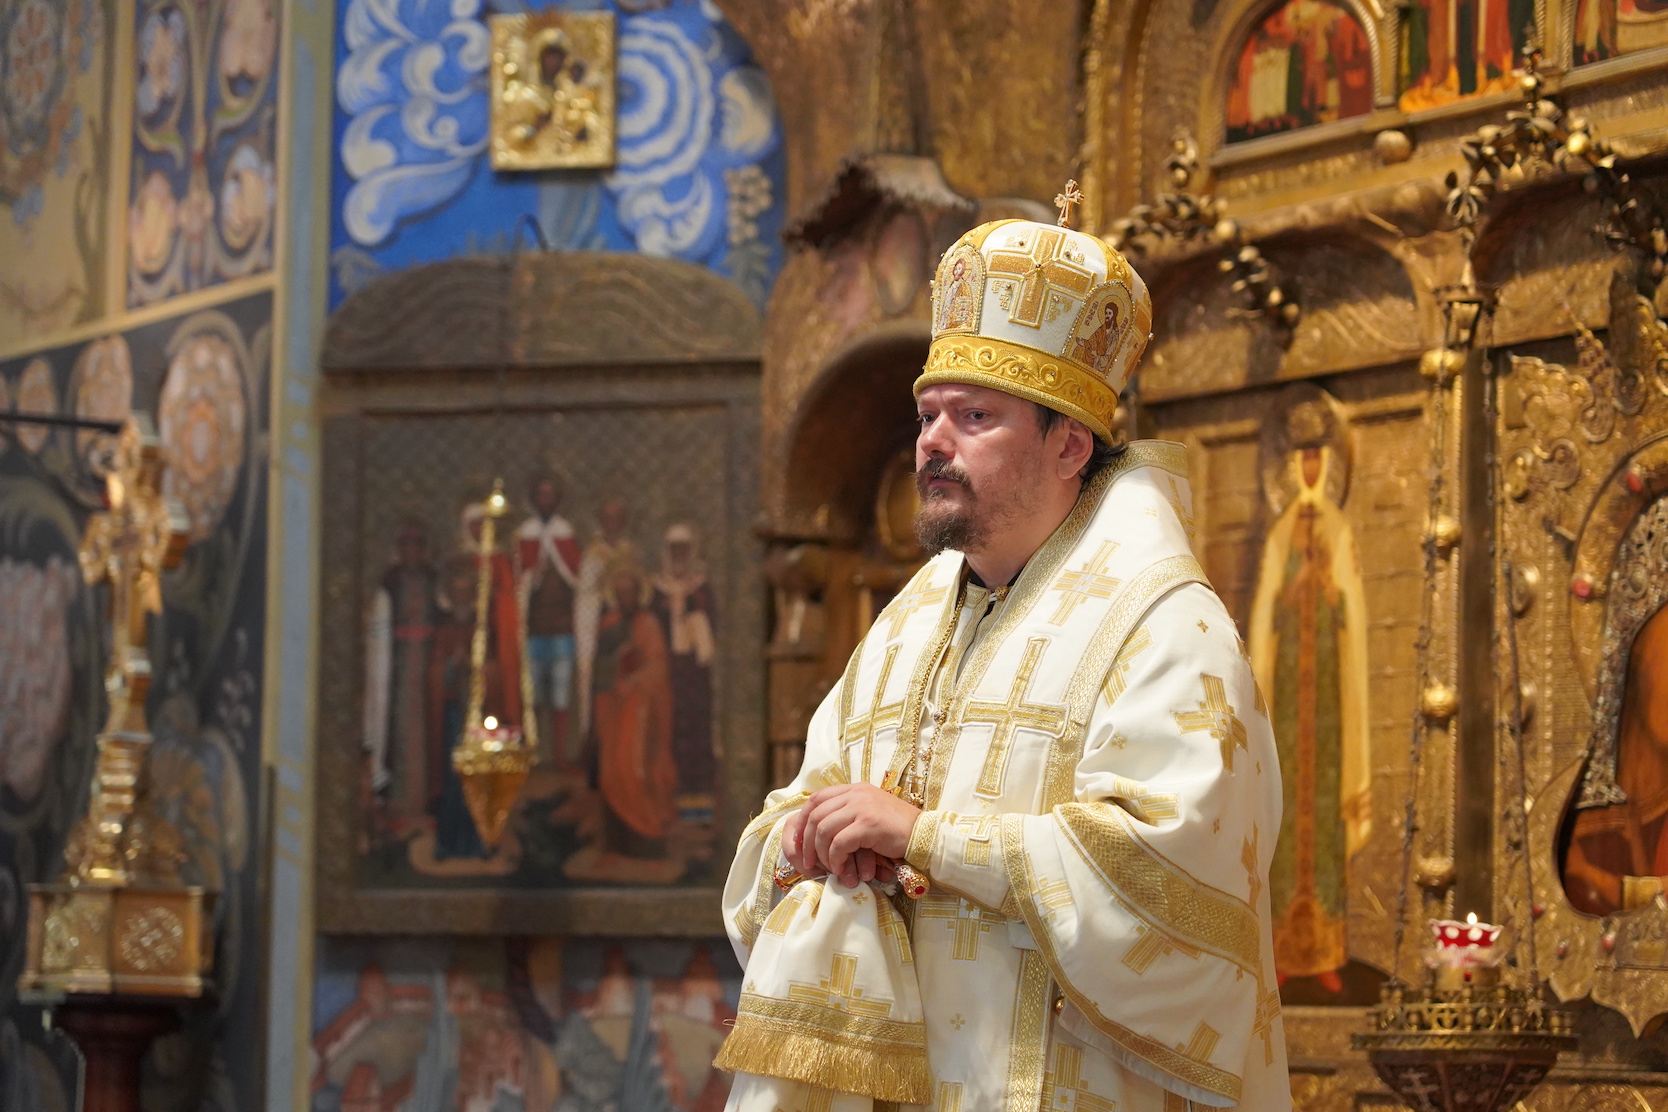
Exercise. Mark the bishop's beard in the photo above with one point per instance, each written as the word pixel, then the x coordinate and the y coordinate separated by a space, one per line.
pixel 941 524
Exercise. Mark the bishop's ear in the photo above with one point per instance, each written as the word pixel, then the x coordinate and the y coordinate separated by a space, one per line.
pixel 1075 447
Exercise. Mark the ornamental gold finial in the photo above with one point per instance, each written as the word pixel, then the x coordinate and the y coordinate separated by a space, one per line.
pixel 1067 202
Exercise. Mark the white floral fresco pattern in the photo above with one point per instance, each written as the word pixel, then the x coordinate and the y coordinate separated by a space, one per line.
pixel 699 167
pixel 34 668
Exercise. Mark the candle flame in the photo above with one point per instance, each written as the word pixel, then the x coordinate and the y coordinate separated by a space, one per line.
pixel 491 723
pixel 1471 918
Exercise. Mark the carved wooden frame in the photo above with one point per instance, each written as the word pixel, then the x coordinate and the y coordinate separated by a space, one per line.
pixel 542 332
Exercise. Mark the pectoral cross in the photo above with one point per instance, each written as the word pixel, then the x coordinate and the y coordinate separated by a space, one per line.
pixel 1041 268
pixel 967 919
pixel 902 607
pixel 1012 716
pixel 839 991
pixel 1063 1089
pixel 1067 202
pixel 126 547
pixel 1082 584
pixel 1217 715
pixel 864 726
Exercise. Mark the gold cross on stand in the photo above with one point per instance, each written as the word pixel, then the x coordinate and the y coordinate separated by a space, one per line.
pixel 865 725
pixel 1067 202
pixel 126 547
pixel 901 608
pixel 1063 1089
pixel 1079 585
pixel 967 919
pixel 1216 715
pixel 1041 269
pixel 1012 716
pixel 839 991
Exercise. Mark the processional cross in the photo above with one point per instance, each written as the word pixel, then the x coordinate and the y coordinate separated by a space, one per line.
pixel 126 547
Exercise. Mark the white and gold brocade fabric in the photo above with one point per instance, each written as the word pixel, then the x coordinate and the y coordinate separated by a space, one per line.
pixel 1102 799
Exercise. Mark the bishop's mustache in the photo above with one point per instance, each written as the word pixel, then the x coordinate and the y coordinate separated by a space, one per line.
pixel 940 469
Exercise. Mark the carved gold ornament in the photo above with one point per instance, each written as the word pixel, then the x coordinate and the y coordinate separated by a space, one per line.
pixel 553 99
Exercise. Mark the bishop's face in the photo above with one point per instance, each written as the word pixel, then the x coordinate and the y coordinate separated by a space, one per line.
pixel 978 452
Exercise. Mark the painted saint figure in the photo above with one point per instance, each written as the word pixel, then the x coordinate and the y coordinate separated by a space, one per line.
pixel 1618 846
pixel 549 558
pixel 683 602
pixel 632 720
pixel 610 545
pixel 1309 652
pixel 399 634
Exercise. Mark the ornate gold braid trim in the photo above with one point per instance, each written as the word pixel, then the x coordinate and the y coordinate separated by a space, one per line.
pixel 1158 890
pixel 1177 1064
pixel 1025 372
pixel 923 840
pixel 880 1058
pixel 831 1023
pixel 1028 1046
pixel 749 920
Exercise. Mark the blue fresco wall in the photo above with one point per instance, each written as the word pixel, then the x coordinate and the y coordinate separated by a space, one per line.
pixel 700 168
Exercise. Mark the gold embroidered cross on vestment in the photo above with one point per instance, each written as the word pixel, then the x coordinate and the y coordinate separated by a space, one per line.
pixel 1063 1089
pixel 1217 715
pixel 839 991
pixel 1268 1010
pixel 905 605
pixel 1041 270
pixel 967 919
pixel 1149 946
pixel 1079 585
pixel 864 727
pixel 1011 716
pixel 977 850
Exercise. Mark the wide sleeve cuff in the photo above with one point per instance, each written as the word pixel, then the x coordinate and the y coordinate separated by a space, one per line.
pixel 923 840
pixel 965 857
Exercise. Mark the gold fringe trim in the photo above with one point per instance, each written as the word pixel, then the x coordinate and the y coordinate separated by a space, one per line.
pixel 891 1072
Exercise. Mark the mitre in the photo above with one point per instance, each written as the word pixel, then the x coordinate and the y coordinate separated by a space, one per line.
pixel 1039 311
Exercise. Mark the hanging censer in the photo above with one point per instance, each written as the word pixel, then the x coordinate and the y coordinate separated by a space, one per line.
pixel 494 757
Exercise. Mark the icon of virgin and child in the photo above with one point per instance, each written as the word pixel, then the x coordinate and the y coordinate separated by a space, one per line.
pixel 610 660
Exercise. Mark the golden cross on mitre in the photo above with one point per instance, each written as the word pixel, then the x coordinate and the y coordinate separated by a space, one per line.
pixel 127 546
pixel 1067 203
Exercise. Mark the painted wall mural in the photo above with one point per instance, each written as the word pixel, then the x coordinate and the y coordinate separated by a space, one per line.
pixel 1607 28
pixel 1308 62
pixel 202 191
pixel 204 378
pixel 700 166
pixel 521 1025
pixel 54 163
pixel 1453 49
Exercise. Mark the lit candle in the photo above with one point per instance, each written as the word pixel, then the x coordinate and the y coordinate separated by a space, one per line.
pixel 1464 952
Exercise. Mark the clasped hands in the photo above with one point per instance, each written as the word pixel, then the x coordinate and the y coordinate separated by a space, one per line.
pixel 852 832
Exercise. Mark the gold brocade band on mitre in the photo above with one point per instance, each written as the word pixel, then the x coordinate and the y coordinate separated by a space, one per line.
pixel 1040 311
pixel 832 999
pixel 1026 372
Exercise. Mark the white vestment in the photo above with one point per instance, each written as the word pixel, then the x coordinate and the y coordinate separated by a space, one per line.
pixel 1102 797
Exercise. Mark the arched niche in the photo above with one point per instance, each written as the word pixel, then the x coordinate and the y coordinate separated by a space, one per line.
pixel 852 420
pixel 1352 36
